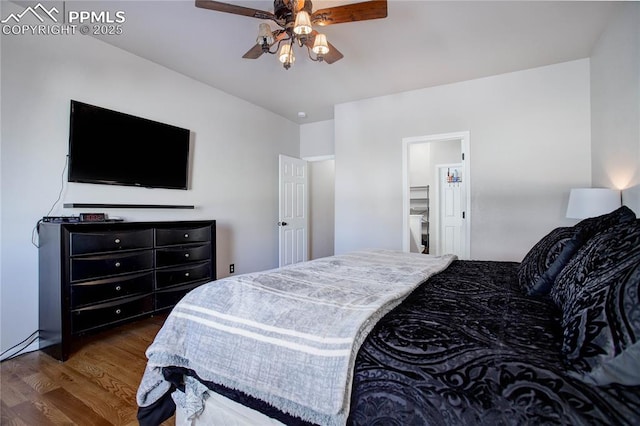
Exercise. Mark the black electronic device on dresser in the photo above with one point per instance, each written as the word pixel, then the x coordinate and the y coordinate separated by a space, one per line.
pixel 95 276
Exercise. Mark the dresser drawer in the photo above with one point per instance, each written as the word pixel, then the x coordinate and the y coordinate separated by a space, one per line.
pixel 112 288
pixel 175 236
pixel 167 298
pixel 84 268
pixel 101 242
pixel 182 275
pixel 107 313
pixel 171 256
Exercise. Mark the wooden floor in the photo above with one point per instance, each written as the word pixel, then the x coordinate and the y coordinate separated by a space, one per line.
pixel 95 386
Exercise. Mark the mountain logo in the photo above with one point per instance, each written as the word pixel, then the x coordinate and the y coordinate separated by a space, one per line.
pixel 34 11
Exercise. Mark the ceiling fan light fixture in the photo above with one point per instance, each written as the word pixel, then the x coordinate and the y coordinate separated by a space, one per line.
pixel 320 45
pixel 286 56
pixel 302 25
pixel 265 36
pixel 293 19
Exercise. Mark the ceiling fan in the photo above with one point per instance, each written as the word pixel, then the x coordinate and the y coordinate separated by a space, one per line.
pixel 295 19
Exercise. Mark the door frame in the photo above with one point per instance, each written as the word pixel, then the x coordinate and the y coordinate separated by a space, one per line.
pixel 464 138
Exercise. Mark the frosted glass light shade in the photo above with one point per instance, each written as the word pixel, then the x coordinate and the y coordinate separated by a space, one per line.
pixel 302 25
pixel 264 34
pixel 320 45
pixel 592 202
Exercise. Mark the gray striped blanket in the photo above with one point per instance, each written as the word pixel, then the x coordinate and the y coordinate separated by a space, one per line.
pixel 288 336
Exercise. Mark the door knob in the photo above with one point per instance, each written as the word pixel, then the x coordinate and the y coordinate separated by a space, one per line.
pixel 282 223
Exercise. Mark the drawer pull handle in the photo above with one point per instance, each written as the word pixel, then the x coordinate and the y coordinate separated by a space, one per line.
pixel 186 274
pixel 117 264
pixel 117 241
pixel 118 288
pixel 118 311
pixel 186 255
pixel 186 235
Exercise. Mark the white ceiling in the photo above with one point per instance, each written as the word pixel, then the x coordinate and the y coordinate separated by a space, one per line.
pixel 420 44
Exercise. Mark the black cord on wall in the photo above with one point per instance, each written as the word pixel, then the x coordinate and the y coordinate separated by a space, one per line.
pixel 36 229
pixel 25 343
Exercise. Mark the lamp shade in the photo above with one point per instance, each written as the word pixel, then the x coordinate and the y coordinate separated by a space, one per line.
pixel 592 202
pixel 302 24
pixel 320 46
pixel 286 54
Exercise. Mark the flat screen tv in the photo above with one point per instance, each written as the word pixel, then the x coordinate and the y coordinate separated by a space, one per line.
pixel 110 147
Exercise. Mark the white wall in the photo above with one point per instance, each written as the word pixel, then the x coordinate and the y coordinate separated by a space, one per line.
pixel 322 208
pixel 615 101
pixel 420 173
pixel 317 139
pixel 234 168
pixel 529 144
pixel 424 157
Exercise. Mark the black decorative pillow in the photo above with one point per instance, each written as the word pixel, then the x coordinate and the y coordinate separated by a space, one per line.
pixel 601 313
pixel 543 285
pixel 584 230
pixel 608 349
pixel 594 225
pixel 541 257
pixel 599 250
pixel 541 266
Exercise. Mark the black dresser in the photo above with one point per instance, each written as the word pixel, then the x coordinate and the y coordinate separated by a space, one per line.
pixel 95 276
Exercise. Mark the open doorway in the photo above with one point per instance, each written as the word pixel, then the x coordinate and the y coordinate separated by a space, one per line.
pixel 436 194
pixel 321 206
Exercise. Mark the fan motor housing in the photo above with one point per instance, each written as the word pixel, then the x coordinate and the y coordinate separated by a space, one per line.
pixel 282 10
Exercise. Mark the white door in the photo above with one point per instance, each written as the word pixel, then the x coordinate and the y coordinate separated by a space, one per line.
pixel 293 212
pixel 451 213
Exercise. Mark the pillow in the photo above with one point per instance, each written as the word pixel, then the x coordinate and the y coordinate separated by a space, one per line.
pixel 606 248
pixel 541 256
pixel 594 225
pixel 541 266
pixel 543 285
pixel 601 314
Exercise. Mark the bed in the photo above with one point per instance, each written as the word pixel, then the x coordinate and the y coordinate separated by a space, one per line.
pixel 554 339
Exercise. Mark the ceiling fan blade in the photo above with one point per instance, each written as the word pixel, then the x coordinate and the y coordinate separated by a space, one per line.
pixel 256 51
pixel 332 56
pixel 236 10
pixel 350 13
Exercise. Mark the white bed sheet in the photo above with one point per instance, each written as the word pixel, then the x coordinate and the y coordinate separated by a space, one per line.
pixel 221 411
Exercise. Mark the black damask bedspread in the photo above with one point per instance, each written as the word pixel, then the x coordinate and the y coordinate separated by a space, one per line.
pixel 468 347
